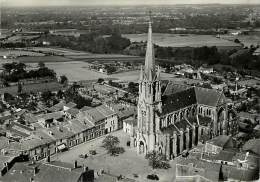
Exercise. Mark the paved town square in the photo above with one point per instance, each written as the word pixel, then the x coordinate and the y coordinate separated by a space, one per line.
pixel 127 164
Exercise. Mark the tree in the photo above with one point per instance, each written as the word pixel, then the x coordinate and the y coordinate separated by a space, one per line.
pixel 132 87
pixel 110 143
pixel 100 80
pixel 110 82
pixel 110 69
pixel 47 96
pixel 63 79
pixel 157 160
pixel 237 41
pixel 60 94
pixel 20 88
pixel 81 101
pixel 41 64
pixel 8 67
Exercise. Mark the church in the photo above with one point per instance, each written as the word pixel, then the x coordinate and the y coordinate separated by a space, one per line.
pixel 177 119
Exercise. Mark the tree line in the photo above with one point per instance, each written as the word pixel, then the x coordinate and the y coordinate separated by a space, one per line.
pixel 93 42
pixel 13 72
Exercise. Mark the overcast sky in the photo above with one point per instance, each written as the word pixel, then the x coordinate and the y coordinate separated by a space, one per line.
pixel 118 2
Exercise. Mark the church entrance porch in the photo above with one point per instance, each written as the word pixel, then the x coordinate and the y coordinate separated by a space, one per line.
pixel 141 147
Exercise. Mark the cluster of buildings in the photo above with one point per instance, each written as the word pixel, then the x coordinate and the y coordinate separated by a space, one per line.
pixel 177 119
pixel 219 160
pixel 61 127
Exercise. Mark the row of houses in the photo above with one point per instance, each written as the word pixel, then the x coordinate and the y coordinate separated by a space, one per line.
pixel 66 126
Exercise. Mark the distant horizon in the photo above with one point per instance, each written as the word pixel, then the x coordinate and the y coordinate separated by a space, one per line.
pixel 75 3
pixel 99 5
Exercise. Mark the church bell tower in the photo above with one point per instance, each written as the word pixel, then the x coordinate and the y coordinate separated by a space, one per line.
pixel 149 100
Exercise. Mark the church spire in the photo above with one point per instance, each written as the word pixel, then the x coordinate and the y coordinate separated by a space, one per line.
pixel 149 57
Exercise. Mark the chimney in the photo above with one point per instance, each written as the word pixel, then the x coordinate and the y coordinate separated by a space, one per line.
pixel 31 179
pixel 75 164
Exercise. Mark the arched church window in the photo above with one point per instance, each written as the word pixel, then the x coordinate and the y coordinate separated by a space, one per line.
pixel 175 118
pixel 181 115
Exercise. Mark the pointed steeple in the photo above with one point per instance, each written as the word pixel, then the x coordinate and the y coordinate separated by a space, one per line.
pixel 149 57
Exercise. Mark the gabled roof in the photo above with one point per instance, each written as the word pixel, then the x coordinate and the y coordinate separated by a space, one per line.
pixel 225 155
pixel 173 88
pixel 210 97
pixel 70 105
pixel 178 100
pixel 178 96
pixel 53 115
pixel 52 172
pixel 73 111
pixel 220 140
pixel 253 146
pixel 97 114
pixel 4 142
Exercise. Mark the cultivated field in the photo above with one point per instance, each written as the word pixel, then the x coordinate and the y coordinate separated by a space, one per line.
pixel 104 57
pixel 78 70
pixel 17 53
pixel 33 59
pixel 75 70
pixel 57 51
pixel 249 40
pixel 39 87
pixel 177 40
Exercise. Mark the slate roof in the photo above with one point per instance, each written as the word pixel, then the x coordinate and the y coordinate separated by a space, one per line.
pixel 178 96
pixel 73 111
pixel 212 169
pixel 173 88
pixel 178 100
pixel 131 120
pixel 77 126
pixel 30 118
pixel 58 132
pixel 53 115
pixel 210 97
pixel 224 155
pixel 4 142
pixel 253 146
pixel 220 140
pixel 57 107
pixel 97 114
pixel 51 172
pixel 70 105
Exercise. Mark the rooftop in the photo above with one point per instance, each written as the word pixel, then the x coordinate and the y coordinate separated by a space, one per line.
pixel 220 140
pixel 178 96
pixel 97 114
pixel 252 146
pixel 224 155
pixel 51 172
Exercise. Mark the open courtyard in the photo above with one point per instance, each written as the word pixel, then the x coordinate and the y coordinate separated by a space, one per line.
pixel 129 164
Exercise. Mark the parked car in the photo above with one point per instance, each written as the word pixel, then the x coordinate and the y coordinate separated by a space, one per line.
pixel 153 177
pixel 83 156
pixel 93 152
pixel 185 153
